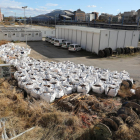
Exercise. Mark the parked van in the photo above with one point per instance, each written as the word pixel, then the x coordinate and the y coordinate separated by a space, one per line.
pixel 58 42
pixel 74 47
pixel 47 38
pixel 52 40
pixel 65 45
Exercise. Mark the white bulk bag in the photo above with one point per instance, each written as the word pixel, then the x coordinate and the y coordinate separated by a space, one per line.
pixel 48 87
pixel 55 83
pixel 35 92
pixel 111 91
pixel 83 88
pixel 67 89
pixel 48 97
pixel 28 86
pixel 98 88
pixel 59 92
pixel 17 73
pixel 21 77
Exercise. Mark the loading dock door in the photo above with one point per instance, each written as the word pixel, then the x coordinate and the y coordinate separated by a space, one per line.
pixel 104 40
pixel 60 33
pixel 63 33
pixel 135 39
pixel 66 34
pixel 84 40
pixel 57 33
pixel 96 39
pixel 89 42
pixel 70 36
pixel 121 39
pixel 113 39
pixel 128 38
pixel 79 35
pixel 74 36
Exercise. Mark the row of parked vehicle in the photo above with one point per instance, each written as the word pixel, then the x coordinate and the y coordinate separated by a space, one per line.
pixel 63 43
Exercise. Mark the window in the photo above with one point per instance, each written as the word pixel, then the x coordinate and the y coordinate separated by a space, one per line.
pixel 63 40
pixel 22 34
pixel 5 34
pixel 57 41
pixel 68 43
pixel 17 34
pixel 14 34
pixel 71 46
pixel 36 33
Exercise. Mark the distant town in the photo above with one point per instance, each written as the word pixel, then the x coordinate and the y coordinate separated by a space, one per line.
pixel 131 17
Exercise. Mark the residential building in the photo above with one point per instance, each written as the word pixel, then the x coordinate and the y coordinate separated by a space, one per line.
pixel 105 17
pixel 117 18
pixel 1 16
pixel 90 17
pixel 130 16
pixel 96 15
pixel 79 15
pixel 138 16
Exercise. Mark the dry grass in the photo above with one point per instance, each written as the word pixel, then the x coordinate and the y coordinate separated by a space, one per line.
pixel 2 42
pixel 51 123
pixel 126 132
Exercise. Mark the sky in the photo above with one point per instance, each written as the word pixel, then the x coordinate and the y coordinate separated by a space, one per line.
pixel 37 7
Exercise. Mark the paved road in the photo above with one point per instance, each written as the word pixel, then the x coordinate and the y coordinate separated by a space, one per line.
pixel 46 51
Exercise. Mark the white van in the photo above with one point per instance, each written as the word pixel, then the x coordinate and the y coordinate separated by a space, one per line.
pixel 65 45
pixel 74 47
pixel 52 40
pixel 47 38
pixel 58 42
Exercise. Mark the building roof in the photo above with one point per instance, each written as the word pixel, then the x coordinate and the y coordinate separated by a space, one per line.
pixel 68 12
pixel 79 11
pixel 65 16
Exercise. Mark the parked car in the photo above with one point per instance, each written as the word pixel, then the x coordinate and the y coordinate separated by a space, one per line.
pixel 74 47
pixel 58 42
pixel 47 38
pixel 65 45
pixel 52 40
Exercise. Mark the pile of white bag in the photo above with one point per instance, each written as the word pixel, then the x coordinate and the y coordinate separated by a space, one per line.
pixel 50 80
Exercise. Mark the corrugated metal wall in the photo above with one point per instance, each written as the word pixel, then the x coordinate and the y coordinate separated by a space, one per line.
pixel 95 41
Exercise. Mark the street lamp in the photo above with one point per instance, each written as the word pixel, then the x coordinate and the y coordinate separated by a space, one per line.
pixel 24 24
pixel 24 13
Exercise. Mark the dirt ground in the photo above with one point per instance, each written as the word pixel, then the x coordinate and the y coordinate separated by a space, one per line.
pixel 46 51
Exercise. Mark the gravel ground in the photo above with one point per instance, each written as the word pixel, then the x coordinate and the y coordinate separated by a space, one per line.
pixel 46 51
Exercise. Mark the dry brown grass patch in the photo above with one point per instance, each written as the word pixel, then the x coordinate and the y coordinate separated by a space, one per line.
pixel 2 42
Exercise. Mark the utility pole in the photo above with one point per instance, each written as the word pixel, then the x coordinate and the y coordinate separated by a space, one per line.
pixel 15 17
pixel 24 14
pixel 25 24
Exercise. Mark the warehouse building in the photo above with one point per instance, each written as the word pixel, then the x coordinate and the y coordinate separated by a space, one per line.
pixel 93 39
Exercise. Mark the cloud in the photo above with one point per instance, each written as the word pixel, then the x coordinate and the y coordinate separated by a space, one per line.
pixel 51 4
pixel 93 6
pixel 16 7
pixel 118 9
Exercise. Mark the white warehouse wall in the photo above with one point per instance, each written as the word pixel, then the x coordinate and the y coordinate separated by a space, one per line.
pixel 93 39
